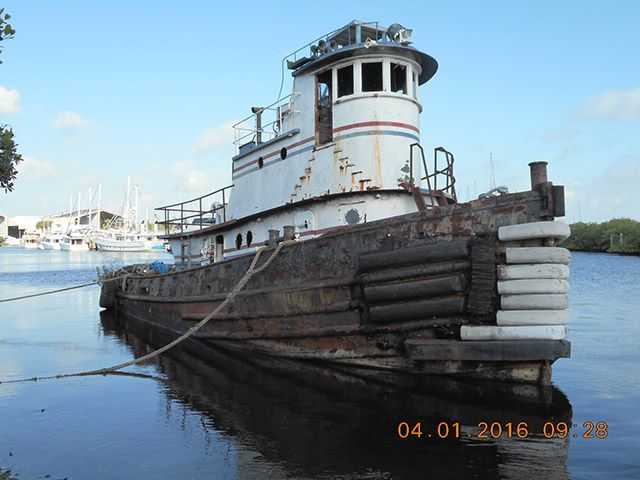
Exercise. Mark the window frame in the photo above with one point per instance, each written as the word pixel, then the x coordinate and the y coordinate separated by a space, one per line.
pixel 385 81
pixel 407 85
pixel 337 83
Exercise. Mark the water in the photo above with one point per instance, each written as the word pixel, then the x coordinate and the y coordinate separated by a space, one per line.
pixel 181 417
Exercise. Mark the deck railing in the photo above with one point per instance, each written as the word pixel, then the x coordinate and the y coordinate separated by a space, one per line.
pixel 197 213
pixel 263 124
pixel 445 174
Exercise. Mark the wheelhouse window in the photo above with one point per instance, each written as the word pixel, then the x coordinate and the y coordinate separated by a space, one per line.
pixel 398 78
pixel 345 81
pixel 372 77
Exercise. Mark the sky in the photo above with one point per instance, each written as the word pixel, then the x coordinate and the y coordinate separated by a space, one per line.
pixel 98 91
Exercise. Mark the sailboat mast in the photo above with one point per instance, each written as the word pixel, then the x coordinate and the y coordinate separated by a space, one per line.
pixel 89 202
pixel 78 209
pixel 135 188
pixel 99 206
pixel 127 215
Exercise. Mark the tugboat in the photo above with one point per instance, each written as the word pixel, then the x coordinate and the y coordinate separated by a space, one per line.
pixel 374 267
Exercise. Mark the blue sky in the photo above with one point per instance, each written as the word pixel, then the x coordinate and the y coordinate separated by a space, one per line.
pixel 96 91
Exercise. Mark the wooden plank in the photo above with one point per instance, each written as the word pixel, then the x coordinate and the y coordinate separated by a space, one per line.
pixel 442 250
pixel 434 307
pixel 488 351
pixel 482 298
pixel 528 332
pixel 543 301
pixel 424 288
pixel 414 271
pixel 540 270
pixel 523 231
pixel 536 285
pixel 532 317
pixel 538 255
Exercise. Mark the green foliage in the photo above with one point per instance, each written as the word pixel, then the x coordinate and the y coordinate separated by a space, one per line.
pixel 44 225
pixel 9 158
pixel 620 235
pixel 6 30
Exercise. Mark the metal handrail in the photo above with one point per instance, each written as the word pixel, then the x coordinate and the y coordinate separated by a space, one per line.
pixel 253 129
pixel 182 219
pixel 447 171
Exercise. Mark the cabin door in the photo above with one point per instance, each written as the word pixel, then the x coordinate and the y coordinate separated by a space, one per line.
pixel 324 105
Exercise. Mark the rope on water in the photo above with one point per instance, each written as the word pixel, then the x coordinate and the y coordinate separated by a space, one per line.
pixel 251 271
pixel 49 292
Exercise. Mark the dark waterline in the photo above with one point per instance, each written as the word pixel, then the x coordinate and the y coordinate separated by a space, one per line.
pixel 225 418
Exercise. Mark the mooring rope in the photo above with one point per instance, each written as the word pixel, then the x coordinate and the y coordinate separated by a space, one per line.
pixel 251 271
pixel 49 292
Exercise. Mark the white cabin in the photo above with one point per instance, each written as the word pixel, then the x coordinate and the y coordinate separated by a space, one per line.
pixel 342 148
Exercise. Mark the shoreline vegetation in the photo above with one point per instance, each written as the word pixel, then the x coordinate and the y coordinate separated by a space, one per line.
pixel 619 235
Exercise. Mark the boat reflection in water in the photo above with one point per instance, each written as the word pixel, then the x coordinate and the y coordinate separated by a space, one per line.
pixel 320 423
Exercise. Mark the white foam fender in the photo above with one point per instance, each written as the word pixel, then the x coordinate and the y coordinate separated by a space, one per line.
pixel 525 231
pixel 543 301
pixel 536 285
pixel 532 317
pixel 528 271
pixel 538 255
pixel 490 332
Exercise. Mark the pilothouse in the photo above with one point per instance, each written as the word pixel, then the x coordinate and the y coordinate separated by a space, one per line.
pixel 342 148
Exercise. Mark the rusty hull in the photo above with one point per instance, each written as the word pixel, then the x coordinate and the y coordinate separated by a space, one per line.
pixel 355 299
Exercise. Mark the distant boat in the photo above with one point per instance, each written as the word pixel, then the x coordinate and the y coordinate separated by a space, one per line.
pixel 30 240
pixel 51 241
pixel 124 233
pixel 74 241
pixel 117 241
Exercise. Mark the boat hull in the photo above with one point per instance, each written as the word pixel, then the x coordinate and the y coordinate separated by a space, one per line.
pixel 378 300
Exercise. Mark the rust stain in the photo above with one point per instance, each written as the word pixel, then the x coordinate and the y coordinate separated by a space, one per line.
pixel 376 159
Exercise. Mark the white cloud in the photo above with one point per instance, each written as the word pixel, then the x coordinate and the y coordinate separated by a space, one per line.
pixel 70 121
pixel 611 194
pixel 9 100
pixel 215 137
pixel 615 105
pixel 191 179
pixel 32 167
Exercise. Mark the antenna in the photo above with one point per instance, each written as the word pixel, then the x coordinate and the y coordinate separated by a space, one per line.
pixel 492 172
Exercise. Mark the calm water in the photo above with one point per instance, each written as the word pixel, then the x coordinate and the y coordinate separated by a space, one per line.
pixel 186 418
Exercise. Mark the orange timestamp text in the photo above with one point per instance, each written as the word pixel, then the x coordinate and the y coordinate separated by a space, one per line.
pixel 494 430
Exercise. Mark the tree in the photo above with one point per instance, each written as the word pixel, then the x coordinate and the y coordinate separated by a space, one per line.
pixel 6 30
pixel 9 156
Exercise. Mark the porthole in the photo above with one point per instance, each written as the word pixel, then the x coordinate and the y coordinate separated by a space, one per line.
pixel 260 162
pixel 283 153
pixel 249 238
pixel 238 241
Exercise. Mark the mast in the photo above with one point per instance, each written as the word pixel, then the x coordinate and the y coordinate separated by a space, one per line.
pixel 70 212
pixel 127 215
pixel 78 209
pixel 89 202
pixel 99 206
pixel 135 189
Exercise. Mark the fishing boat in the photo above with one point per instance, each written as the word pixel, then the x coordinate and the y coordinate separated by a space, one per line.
pixel 51 241
pixel 124 233
pixel 118 241
pixel 30 240
pixel 75 240
pixel 372 265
